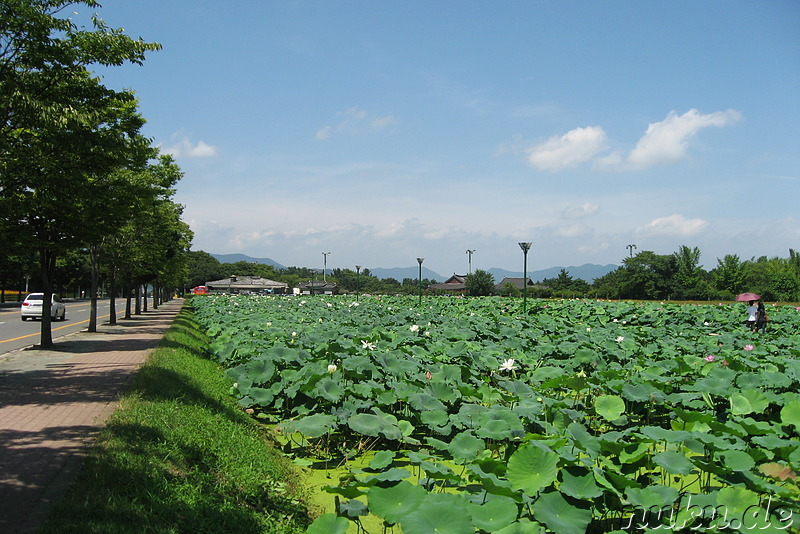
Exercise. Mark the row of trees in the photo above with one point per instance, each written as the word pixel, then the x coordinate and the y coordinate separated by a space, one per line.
pixel 78 181
pixel 680 276
pixel 645 276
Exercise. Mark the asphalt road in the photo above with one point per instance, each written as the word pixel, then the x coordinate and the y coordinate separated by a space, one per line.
pixel 16 334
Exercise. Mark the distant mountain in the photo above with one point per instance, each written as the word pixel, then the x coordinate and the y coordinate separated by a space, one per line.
pixel 399 273
pixel 233 258
pixel 587 271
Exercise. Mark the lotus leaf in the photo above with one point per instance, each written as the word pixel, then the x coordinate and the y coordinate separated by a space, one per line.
pixel 496 513
pixel 353 508
pixel 465 447
pixel 381 460
pixel 424 401
pixel 674 462
pixel 559 515
pixel 609 407
pixel 532 468
pixel 652 497
pixel 329 524
pixel 312 426
pixel 736 501
pixel 523 526
pixel 328 389
pixel 579 482
pixel 442 513
pixel 790 414
pixel 395 502
pixel 261 396
pixel 738 460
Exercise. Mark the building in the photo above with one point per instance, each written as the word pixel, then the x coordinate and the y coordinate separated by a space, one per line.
pixel 454 284
pixel 317 287
pixel 248 285
pixel 519 283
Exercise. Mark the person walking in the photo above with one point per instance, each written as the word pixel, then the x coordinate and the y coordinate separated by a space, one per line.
pixel 751 311
pixel 761 318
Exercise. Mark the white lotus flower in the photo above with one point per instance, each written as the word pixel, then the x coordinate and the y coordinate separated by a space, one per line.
pixel 508 365
pixel 620 339
pixel 414 328
pixel 332 368
pixel 367 345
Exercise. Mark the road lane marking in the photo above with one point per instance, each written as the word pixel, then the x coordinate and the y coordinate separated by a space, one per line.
pixel 51 330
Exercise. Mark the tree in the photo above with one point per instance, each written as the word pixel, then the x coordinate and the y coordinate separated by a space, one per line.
pixel 729 275
pixel 689 280
pixel 203 267
pixel 479 283
pixel 61 131
pixel 564 284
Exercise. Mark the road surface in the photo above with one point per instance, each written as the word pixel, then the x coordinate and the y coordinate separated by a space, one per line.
pixel 16 334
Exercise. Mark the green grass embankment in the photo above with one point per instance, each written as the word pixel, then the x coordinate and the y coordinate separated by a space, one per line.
pixel 180 456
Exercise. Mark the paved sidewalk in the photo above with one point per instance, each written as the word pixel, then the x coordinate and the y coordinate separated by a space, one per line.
pixel 53 402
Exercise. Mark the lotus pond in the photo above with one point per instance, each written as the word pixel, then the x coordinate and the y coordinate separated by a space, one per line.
pixel 464 415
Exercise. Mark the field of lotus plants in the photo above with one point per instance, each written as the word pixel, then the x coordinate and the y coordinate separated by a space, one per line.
pixel 464 415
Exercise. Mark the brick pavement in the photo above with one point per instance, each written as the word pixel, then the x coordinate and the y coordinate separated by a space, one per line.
pixel 52 402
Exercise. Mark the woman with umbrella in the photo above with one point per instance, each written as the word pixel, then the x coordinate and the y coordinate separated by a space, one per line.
pixel 752 309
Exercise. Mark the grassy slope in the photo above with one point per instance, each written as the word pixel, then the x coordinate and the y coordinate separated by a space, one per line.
pixel 179 456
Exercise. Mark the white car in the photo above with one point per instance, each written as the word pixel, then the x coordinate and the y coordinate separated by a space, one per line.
pixel 32 307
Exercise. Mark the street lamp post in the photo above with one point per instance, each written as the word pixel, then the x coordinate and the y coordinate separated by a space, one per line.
pixel 525 246
pixel 630 249
pixel 420 260
pixel 358 279
pixel 324 264
pixel 469 253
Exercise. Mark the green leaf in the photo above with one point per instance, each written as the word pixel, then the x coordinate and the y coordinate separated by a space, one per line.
pixel 561 517
pixel 381 460
pixel 609 407
pixel 396 502
pixel 465 447
pixel 329 389
pixel 674 462
pixel 496 513
pixel 532 468
pixel 738 460
pixel 579 483
pixel 441 513
pixel 329 524
pixel 790 414
pixel 313 426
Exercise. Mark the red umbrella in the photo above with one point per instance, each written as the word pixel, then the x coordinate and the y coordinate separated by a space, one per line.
pixel 747 297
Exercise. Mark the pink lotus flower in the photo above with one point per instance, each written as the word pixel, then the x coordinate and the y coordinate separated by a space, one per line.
pixel 428 375
pixel 749 347
pixel 724 363
pixel 710 358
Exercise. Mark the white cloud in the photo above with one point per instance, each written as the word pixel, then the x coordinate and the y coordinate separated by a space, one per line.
pixel 184 148
pixel 354 120
pixel 587 209
pixel 673 225
pixel 569 150
pixel 667 141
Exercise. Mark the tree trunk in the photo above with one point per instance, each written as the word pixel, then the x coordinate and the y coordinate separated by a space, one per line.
pixel 93 290
pixel 47 264
pixel 112 297
pixel 138 293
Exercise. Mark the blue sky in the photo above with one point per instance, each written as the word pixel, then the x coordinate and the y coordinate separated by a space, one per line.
pixel 389 130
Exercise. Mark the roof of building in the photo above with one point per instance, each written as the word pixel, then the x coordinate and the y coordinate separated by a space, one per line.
pixel 457 282
pixel 246 283
pixel 519 283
